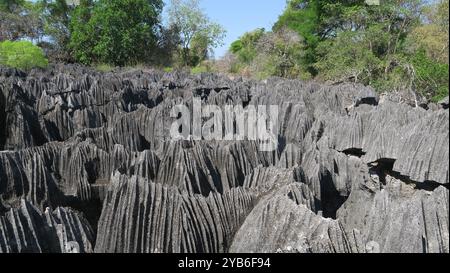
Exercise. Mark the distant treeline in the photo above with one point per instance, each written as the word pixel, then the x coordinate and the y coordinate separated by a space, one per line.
pixel 112 32
pixel 392 45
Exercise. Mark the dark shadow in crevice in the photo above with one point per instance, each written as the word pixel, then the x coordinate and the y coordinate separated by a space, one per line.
pixel 369 101
pixel 382 168
pixel 331 199
pixel 203 93
pixel 354 152
pixel 429 185
pixel 320 131
pixel 300 176
pixel 385 167
pixel 2 121
pixel 281 144
pixel 246 102
pixel 220 89
pixel 33 126
pixel 144 144
pixel 91 209
pixel 92 168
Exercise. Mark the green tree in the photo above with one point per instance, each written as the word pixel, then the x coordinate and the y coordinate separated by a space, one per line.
pixel 279 54
pixel 21 54
pixel 11 5
pixel 198 49
pixel 81 44
pixel 384 46
pixel 245 46
pixel 430 78
pixel 194 26
pixel 264 54
pixel 303 16
pixel 433 35
pixel 117 32
pixel 20 19
pixel 321 20
pixel 56 15
pixel 427 48
pixel 347 58
pixel 392 45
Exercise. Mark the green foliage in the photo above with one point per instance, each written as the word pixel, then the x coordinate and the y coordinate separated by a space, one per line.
pixel 285 51
pixel 433 37
pixel 198 49
pixel 395 46
pixel 104 67
pixel 11 5
pixel 199 69
pixel 81 43
pixel 431 77
pixel 204 67
pixel 265 54
pixel 116 32
pixel 304 17
pixel 22 54
pixel 56 16
pixel 165 55
pixel 347 58
pixel 321 20
pixel 245 47
pixel 197 33
pixel 428 48
pixel 236 46
pixel 20 19
pixel 383 46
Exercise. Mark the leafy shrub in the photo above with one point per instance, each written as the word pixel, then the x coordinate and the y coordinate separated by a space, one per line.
pixel 22 54
pixel 104 67
pixel 245 47
pixel 431 77
pixel 265 54
pixel 117 32
pixel 200 69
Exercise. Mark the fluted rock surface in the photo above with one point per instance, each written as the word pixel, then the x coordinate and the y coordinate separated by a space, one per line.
pixel 87 163
pixel 278 224
pixel 27 230
pixel 399 218
pixel 141 216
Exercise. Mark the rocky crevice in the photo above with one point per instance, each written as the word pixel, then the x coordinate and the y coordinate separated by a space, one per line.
pixel 87 164
pixel 2 119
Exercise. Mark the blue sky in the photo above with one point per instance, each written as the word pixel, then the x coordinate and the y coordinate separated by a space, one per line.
pixel 240 16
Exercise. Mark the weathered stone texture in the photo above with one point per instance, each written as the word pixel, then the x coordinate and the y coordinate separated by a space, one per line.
pixel 87 164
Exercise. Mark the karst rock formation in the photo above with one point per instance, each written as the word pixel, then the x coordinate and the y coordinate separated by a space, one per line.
pixel 87 164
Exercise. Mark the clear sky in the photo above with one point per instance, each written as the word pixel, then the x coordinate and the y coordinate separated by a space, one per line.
pixel 240 16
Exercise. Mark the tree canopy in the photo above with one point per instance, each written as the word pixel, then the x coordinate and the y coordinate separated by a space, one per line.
pixel 198 33
pixel 21 54
pixel 117 32
pixel 392 45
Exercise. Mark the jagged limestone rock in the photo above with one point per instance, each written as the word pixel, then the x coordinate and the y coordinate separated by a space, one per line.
pixel 141 216
pixel 279 224
pixel 25 229
pixel 353 171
